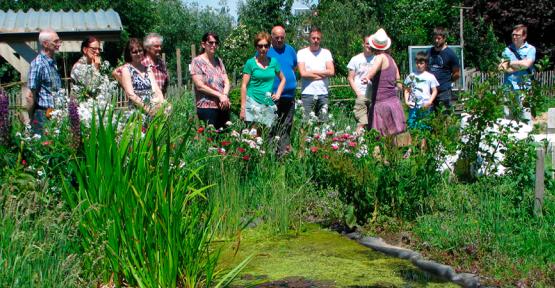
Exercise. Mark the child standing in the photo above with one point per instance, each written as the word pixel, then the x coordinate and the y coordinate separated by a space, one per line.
pixel 420 91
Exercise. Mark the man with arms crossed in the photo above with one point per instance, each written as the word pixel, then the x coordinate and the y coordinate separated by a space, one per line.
pixel 315 67
pixel 287 58
pixel 518 61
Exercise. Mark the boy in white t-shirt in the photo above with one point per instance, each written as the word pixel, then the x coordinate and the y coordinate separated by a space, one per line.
pixel 420 91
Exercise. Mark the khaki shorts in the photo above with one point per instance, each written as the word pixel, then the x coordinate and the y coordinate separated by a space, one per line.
pixel 361 110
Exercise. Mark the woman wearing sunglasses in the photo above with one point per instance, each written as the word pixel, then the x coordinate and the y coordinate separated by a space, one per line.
pixel 259 73
pixel 138 80
pixel 211 83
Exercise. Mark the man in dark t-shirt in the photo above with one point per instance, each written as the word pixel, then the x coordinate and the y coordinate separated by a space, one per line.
pixel 445 66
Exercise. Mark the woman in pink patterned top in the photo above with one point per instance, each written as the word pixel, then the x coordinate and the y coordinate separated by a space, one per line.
pixel 211 83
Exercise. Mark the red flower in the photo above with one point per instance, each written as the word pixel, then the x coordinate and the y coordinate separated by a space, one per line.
pixel 225 143
pixel 241 149
pixel 335 139
pixel 23 162
pixel 316 136
pixel 200 130
pixel 209 139
pixel 143 129
pixel 313 149
pixel 346 136
pixel 352 144
pixel 246 157
pixel 326 156
pixel 46 143
pixel 329 133
pixel 221 151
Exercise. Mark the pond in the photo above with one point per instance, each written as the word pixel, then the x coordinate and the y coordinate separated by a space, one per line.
pixel 318 258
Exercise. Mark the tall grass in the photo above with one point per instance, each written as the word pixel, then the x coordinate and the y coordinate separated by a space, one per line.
pixel 143 206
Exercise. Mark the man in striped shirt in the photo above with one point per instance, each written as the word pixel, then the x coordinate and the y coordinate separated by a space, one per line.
pixel 44 80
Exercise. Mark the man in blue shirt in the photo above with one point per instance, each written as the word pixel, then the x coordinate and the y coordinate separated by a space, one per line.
pixel 519 59
pixel 287 58
pixel 518 65
pixel 444 65
pixel 44 80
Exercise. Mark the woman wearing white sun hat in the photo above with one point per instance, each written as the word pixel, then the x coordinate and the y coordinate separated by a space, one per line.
pixel 386 113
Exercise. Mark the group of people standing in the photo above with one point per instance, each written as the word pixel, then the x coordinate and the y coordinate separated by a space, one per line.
pixel 143 77
pixel 269 80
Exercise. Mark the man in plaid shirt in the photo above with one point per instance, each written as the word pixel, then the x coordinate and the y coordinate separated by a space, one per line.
pixel 153 46
pixel 44 80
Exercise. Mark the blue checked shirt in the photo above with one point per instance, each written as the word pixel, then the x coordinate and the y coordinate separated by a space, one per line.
pixel 44 78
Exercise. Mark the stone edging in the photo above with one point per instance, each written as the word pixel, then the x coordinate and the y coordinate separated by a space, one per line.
pixel 443 271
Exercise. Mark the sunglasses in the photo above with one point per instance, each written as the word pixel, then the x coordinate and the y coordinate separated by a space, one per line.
pixel 213 43
pixel 137 52
pixel 97 49
pixel 260 46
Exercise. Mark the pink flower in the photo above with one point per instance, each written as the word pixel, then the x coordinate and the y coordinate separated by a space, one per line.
pixel 246 157
pixel 334 146
pixel 313 149
pixel 225 143
pixel 346 136
pixel 23 162
pixel 352 144
pixel 329 133
pixel 241 150
pixel 335 139
pixel 221 151
pixel 326 156
pixel 46 143
pixel 316 136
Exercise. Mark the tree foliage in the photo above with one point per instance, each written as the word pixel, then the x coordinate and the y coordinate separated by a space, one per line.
pixel 538 15
pixel 262 15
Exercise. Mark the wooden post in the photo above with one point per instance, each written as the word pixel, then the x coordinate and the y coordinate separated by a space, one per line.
pixel 178 61
pixel 539 191
pixel 193 55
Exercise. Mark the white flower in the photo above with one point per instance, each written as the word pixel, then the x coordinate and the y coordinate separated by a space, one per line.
pixel 40 173
pixel 277 137
pixel 235 134
pixel 228 123
pixel 245 131
pixel 259 140
pixel 36 137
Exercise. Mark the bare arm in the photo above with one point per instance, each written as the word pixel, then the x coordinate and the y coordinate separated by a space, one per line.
pixel 277 95
pixel 407 95
pixel 456 74
pixel 432 98
pixel 117 74
pixel 202 87
pixel 129 91
pixel 351 79
pixel 521 64
pixel 246 79
pixel 308 74
pixel 377 66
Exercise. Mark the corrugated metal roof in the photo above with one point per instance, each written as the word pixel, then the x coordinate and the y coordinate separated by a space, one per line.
pixel 61 21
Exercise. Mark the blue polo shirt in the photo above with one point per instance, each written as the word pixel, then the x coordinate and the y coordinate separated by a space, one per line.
pixel 287 58
pixel 515 79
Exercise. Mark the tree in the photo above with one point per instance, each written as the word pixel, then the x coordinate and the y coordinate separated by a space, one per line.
pixel 262 15
pixel 538 15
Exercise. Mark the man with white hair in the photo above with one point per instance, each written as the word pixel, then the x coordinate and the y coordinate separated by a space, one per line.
pixel 153 46
pixel 43 80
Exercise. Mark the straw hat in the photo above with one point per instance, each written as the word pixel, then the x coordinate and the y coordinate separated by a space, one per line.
pixel 379 40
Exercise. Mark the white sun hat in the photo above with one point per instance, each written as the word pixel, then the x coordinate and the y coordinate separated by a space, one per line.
pixel 379 40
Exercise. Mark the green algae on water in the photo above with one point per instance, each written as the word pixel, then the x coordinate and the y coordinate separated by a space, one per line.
pixel 320 256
